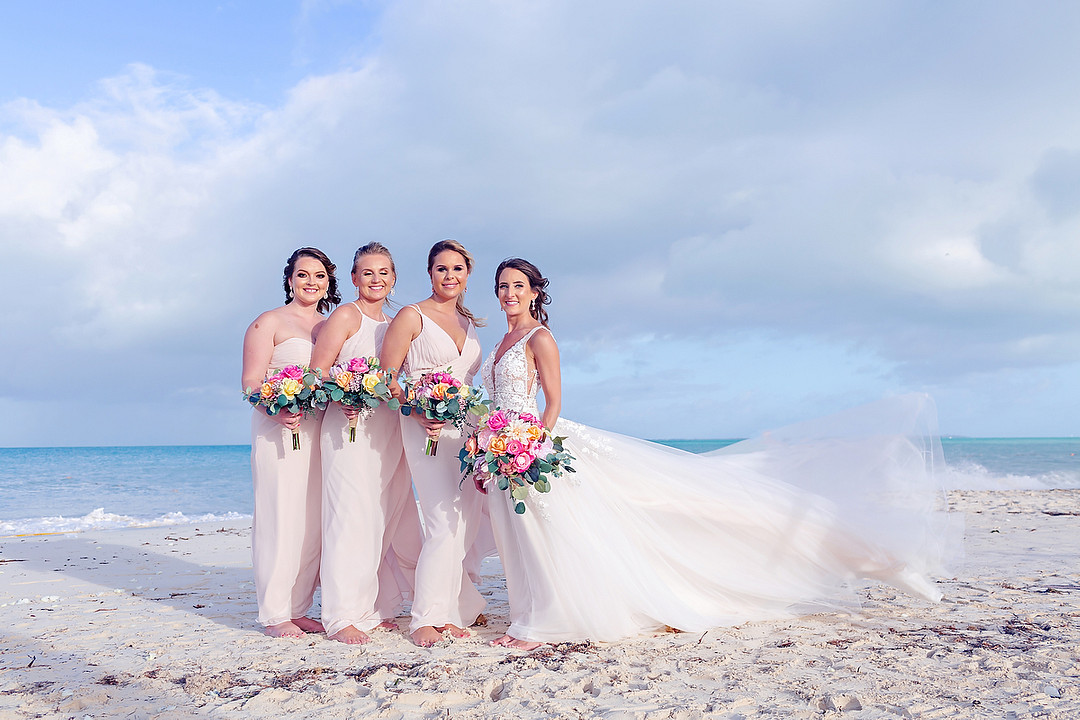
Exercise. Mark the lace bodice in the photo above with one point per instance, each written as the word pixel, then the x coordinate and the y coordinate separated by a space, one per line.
pixel 509 383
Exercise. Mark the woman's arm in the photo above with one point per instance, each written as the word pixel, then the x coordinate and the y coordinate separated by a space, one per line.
pixel 546 357
pixel 258 350
pixel 339 327
pixel 403 329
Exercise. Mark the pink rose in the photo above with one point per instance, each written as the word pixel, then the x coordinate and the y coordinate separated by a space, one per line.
pixel 358 365
pixel 293 371
pixel 506 468
pixel 529 418
pixel 515 447
pixel 522 462
pixel 483 438
pixel 497 420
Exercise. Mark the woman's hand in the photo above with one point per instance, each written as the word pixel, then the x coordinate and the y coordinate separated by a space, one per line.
pixel 396 391
pixel 288 419
pixel 433 427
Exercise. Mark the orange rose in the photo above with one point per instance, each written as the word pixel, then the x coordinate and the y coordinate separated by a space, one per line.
pixel 439 391
pixel 533 432
pixel 497 445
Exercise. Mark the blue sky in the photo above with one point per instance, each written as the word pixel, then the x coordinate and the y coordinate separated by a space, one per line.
pixel 751 213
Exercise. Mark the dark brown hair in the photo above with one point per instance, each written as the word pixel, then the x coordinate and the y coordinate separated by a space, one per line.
pixel 537 283
pixel 333 297
pixel 457 247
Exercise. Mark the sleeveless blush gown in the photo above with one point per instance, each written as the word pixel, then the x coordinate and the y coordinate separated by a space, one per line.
pixel 286 524
pixel 645 536
pixel 452 512
pixel 367 504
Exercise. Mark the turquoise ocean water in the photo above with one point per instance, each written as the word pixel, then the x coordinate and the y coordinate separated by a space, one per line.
pixel 63 489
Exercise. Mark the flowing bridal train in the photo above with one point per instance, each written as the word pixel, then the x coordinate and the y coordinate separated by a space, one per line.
pixel 644 536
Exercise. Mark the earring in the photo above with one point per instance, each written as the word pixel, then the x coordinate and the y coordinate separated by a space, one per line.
pixel 391 291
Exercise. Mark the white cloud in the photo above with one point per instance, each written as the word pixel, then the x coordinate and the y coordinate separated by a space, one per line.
pixel 893 183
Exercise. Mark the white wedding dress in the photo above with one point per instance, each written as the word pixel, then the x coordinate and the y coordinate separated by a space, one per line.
pixel 644 536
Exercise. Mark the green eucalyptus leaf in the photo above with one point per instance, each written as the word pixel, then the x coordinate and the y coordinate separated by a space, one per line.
pixel 519 508
pixel 393 403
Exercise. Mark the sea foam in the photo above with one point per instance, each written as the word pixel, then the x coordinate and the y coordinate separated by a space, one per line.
pixel 98 519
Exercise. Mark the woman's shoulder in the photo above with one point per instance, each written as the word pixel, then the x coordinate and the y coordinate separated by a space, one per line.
pixel 269 320
pixel 541 340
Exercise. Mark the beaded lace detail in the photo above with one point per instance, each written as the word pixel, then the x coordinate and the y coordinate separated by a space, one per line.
pixel 509 383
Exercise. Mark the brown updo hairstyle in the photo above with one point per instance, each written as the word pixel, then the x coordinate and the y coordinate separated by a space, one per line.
pixel 333 297
pixel 537 283
pixel 376 248
pixel 460 250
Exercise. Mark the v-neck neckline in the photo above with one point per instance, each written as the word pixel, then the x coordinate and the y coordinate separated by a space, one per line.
pixel 450 337
pixel 528 334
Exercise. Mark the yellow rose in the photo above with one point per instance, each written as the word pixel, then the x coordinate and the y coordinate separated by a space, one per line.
pixel 290 387
pixel 343 379
pixel 497 445
pixel 370 381
pixel 267 391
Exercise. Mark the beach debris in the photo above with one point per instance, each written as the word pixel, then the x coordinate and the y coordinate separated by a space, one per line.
pixel 1052 691
pixel 398 667
pixel 33 658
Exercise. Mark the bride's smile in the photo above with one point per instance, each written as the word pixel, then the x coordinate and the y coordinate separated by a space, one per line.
pixel 515 294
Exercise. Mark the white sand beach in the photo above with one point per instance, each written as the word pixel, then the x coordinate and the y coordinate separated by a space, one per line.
pixel 160 623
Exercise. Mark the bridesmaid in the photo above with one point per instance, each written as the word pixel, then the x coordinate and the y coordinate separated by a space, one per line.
pixel 436 334
pixel 286 527
pixel 367 498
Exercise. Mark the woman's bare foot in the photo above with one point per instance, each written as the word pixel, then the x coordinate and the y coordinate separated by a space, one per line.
pixel 284 630
pixel 387 625
pixel 426 636
pixel 508 641
pixel 351 636
pixel 308 625
pixel 455 631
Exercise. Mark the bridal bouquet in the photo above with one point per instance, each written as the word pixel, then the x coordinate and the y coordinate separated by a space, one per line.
pixel 517 452
pixel 441 396
pixel 360 383
pixel 295 389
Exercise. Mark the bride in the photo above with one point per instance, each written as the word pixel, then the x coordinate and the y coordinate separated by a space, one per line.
pixel 644 537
